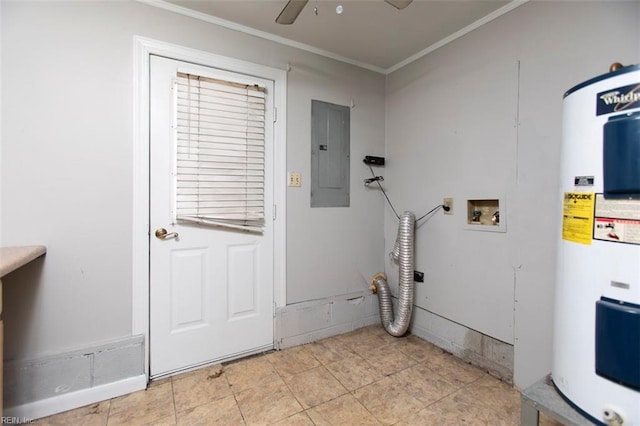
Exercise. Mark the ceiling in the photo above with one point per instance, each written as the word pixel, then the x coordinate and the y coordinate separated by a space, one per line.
pixel 369 33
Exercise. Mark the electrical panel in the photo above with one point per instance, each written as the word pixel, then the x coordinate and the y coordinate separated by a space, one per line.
pixel 330 152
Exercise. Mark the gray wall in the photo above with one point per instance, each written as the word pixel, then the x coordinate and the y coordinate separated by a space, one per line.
pixel 66 176
pixel 333 251
pixel 481 117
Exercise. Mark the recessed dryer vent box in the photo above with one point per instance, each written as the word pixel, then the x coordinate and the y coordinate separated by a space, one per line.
pixel 486 214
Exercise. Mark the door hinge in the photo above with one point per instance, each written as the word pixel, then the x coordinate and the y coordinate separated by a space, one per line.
pixel 275 211
pixel 274 309
pixel 275 114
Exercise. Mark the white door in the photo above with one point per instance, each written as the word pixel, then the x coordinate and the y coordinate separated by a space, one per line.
pixel 211 288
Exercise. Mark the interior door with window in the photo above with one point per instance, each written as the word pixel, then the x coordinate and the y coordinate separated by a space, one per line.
pixel 211 215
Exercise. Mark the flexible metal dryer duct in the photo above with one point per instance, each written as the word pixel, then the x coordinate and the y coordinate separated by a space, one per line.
pixel 403 254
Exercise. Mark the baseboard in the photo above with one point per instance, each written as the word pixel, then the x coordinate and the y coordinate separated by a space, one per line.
pixel 100 371
pixel 309 321
pixel 486 352
pixel 80 398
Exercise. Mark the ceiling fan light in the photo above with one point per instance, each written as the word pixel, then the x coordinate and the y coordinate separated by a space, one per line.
pixel 399 4
pixel 291 12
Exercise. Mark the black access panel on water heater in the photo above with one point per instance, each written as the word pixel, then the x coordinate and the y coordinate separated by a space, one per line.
pixel 621 156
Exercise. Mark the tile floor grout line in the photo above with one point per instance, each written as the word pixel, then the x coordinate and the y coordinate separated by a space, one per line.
pixel 173 400
pixel 322 365
pixel 109 410
pixel 216 398
pixel 239 409
pixel 423 405
pixel 363 406
pixel 291 391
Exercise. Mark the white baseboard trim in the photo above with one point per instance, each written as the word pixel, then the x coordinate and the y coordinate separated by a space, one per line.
pixel 58 404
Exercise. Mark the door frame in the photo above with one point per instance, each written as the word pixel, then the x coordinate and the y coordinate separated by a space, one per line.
pixel 143 48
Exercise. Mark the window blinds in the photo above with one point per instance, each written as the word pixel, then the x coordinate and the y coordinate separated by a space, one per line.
pixel 220 153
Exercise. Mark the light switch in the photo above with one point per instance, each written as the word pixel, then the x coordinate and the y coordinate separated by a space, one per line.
pixel 295 179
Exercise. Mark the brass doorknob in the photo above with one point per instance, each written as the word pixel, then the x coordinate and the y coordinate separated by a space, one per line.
pixel 162 234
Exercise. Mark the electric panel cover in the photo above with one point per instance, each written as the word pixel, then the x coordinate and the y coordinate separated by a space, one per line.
pixel 330 146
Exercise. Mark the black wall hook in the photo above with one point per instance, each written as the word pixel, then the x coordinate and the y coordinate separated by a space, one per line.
pixel 369 181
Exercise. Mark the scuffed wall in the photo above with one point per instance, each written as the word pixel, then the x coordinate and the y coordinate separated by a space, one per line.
pixel 481 118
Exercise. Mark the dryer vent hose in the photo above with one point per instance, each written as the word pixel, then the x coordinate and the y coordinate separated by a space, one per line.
pixel 403 254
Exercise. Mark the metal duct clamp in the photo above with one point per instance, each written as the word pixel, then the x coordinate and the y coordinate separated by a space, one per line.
pixel 374 287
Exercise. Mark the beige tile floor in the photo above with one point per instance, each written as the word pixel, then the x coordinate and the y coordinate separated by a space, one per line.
pixel 365 377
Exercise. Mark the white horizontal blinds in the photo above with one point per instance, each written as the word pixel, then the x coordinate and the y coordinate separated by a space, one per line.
pixel 220 153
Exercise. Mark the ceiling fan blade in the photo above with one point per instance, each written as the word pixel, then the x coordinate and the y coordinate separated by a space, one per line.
pixel 399 4
pixel 291 11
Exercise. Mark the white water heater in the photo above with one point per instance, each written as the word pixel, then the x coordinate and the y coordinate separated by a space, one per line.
pixel 596 365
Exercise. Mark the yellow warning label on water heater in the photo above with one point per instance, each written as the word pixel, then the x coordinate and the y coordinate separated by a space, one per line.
pixel 577 217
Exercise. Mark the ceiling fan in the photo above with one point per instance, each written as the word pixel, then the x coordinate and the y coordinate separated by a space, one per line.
pixel 294 7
